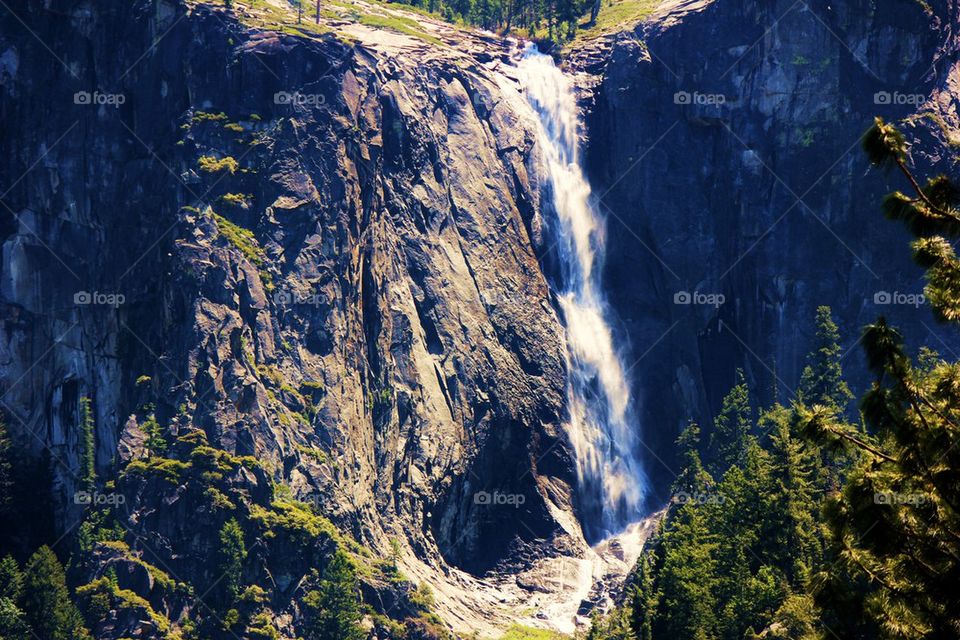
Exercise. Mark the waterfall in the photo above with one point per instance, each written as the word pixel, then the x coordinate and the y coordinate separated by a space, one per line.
pixel 602 424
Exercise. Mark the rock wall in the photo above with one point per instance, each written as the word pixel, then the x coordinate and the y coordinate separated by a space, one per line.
pixel 328 253
pixel 337 275
pixel 723 143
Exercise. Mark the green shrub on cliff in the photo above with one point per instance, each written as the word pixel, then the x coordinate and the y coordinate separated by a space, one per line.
pixel 210 164
pixel 295 519
pixel 521 632
pixel 102 596
pixel 242 239
pixel 236 199
pixel 204 116
pixel 261 627
pixel 166 468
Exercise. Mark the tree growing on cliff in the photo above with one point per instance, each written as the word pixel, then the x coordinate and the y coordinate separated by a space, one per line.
pixel 155 443
pixel 332 610
pixel 233 553
pixel 88 445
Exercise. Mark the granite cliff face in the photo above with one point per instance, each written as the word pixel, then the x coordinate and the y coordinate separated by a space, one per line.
pixel 723 139
pixel 322 254
pixel 324 257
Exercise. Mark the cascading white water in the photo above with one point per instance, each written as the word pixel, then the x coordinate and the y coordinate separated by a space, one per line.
pixel 602 426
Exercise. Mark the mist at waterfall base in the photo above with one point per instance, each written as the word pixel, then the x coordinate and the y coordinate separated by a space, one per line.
pixel 602 422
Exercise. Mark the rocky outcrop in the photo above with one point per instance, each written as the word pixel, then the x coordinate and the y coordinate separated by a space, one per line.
pixel 321 253
pixel 723 143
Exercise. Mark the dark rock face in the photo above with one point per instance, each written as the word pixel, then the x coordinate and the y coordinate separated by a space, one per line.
pixel 724 142
pixel 356 301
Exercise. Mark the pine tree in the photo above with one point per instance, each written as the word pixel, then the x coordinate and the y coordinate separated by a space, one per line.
pixel 643 597
pixel 46 600
pixel 731 435
pixel 693 478
pixel 395 555
pixel 789 507
pixel 895 528
pixel 931 214
pixel 11 579
pixel 688 578
pixel 13 623
pixel 155 443
pixel 233 553
pixel 796 619
pixel 822 379
pixel 88 445
pixel 737 516
pixel 333 609
pixel 733 577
